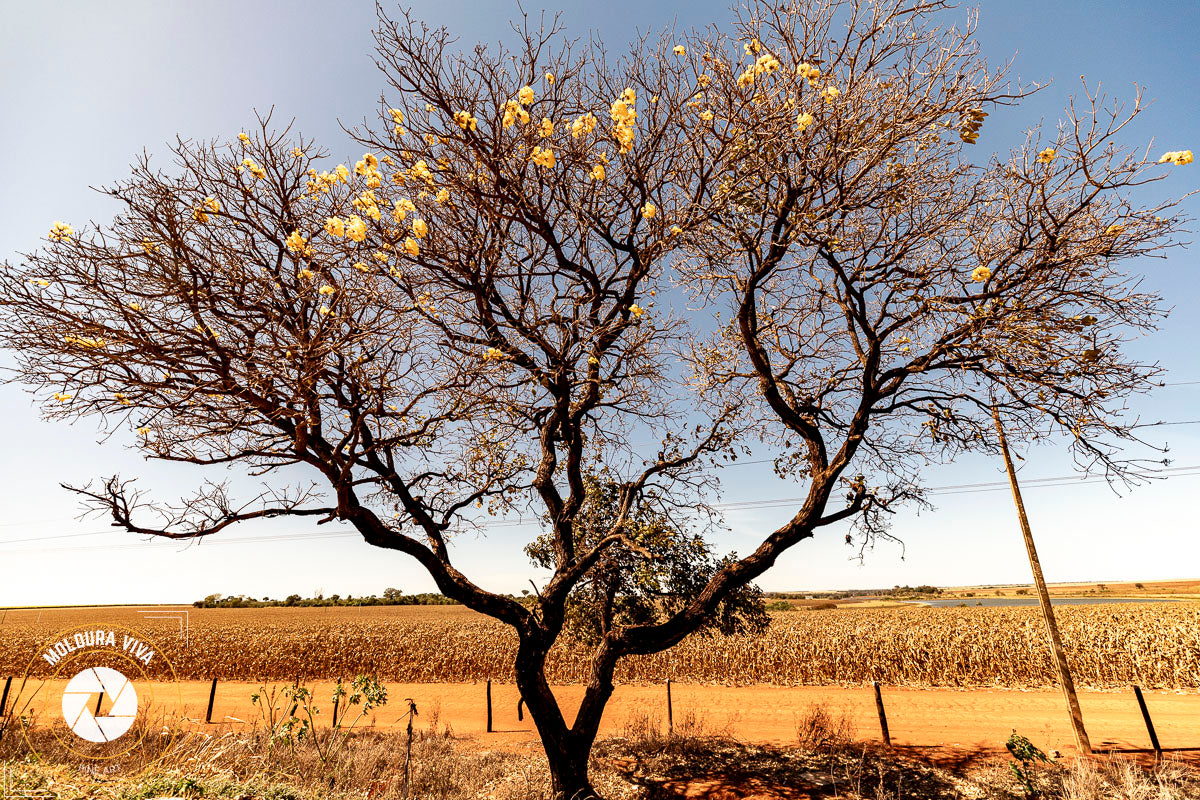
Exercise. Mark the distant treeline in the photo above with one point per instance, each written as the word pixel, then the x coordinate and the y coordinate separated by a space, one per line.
pixel 391 597
pixel 895 591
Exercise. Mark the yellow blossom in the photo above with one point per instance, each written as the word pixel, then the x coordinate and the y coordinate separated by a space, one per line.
pixel 707 116
pixel 397 115
pixel 582 125
pixel 745 79
pixel 149 246
pixel 421 171
pixel 212 204
pixel 443 195
pixel 136 306
pixel 1047 155
pixel 305 274
pixel 60 231
pixel 419 228
pixel 680 50
pixel 1177 157
pixel 543 157
pixel 255 168
pixel 676 230
pixel 493 354
pixel 598 172
pixel 525 96
pixel 245 139
pixel 549 77
pixel 39 282
pixel 342 173
pixel 411 247
pixel 981 274
pixel 143 431
pixel 62 397
pixel 297 152
pixel 636 310
pixel 326 289
pixel 465 120
pixel 808 72
pixel 803 121
pixel 547 127
pixel 335 226
pixel 703 81
pixel 830 93
pixel 324 311
pixel 356 228
pixel 403 207
pixel 649 210
pixel 629 96
pixel 361 267
pixel 296 243
pixel 1114 230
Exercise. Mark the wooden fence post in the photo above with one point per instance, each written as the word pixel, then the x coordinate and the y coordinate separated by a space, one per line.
pixel 887 739
pixel 1149 723
pixel 670 712
pixel 4 698
pixel 489 705
pixel 212 696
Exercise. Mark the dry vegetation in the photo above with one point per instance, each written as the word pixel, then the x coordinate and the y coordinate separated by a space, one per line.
pixel 642 762
pixel 1152 645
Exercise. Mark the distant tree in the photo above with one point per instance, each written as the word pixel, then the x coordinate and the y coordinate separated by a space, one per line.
pixel 391 595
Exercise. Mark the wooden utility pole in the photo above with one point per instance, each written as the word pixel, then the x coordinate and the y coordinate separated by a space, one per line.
pixel 1060 656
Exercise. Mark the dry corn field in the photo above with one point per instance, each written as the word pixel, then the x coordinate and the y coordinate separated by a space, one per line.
pixel 1152 645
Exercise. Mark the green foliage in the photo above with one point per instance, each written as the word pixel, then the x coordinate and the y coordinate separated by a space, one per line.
pixel 657 570
pixel 1027 756
pixel 391 597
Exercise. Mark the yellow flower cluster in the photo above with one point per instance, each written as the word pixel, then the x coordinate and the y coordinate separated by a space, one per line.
pixel 465 120
pixel 1177 157
pixel 335 226
pixel 707 116
pixel 649 210
pixel 680 50
pixel 411 247
pixel 636 310
pixel 803 121
pixel 597 173
pixel 808 72
pixel 402 208
pixel 325 181
pixel 39 282
pixel 525 96
pixel 830 93
pixel 297 243
pixel 703 81
pixel 1116 229
pixel 368 167
pixel 326 289
pixel 397 121
pixel 297 152
pixel 543 157
pixel 624 118
pixel 84 341
pixel 493 354
pixel 550 78
pixel 766 64
pixel 60 231
pixel 62 397
pixel 514 113
pixel 368 204
pixel 547 127
pixel 255 168
pixel 443 196
pixel 1047 155
pixel 421 171
pixel 583 124
pixel 981 274
pixel 356 228
pixel 419 228
pixel 244 138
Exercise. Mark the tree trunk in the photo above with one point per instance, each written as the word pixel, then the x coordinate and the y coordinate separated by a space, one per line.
pixel 566 752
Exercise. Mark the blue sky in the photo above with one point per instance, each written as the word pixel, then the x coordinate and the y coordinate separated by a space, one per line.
pixel 86 86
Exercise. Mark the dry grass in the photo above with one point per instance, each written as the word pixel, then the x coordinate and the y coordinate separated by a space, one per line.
pixel 1152 645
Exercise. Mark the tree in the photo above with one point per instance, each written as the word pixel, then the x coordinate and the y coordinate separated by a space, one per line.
pixel 465 322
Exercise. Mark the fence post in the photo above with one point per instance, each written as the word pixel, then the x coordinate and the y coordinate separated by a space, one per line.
pixel 212 696
pixel 336 697
pixel 1149 724
pixel 4 698
pixel 520 712
pixel 670 711
pixel 489 705
pixel 887 739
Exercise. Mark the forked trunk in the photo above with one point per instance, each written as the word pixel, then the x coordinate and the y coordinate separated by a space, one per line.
pixel 567 751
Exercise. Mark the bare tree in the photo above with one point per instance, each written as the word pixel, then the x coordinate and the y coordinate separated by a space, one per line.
pixel 467 321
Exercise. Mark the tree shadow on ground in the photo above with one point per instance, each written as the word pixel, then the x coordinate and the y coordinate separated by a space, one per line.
pixel 722 769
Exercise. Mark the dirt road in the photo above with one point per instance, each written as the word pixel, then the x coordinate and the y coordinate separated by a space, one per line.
pixel 941 718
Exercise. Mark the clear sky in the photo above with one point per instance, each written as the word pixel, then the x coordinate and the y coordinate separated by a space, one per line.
pixel 84 87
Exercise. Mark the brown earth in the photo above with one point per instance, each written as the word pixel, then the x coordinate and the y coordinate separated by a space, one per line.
pixel 944 724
